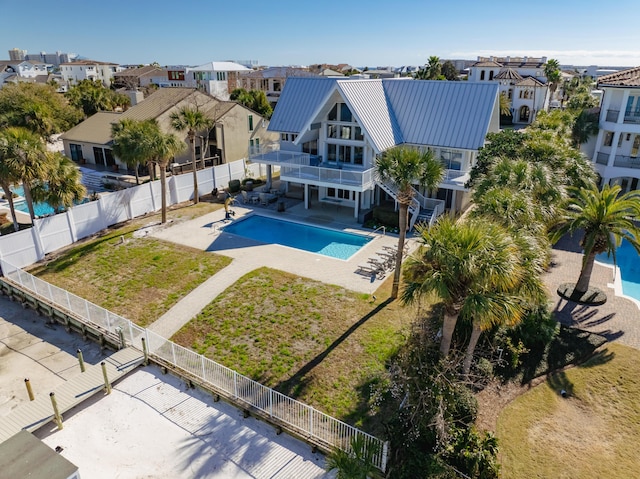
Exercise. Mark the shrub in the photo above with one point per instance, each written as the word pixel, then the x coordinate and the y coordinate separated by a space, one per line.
pixel 234 186
pixel 386 216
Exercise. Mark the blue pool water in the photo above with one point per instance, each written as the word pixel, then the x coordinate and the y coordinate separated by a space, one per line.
pixel 629 263
pixel 40 209
pixel 335 244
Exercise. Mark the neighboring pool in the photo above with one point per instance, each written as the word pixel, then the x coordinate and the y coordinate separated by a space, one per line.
pixel 40 209
pixel 335 244
pixel 629 263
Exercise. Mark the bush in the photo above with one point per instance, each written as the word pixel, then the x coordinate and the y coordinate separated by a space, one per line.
pixel 234 186
pixel 386 216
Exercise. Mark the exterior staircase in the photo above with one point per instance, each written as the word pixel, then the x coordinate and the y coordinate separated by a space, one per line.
pixel 421 209
pixel 93 182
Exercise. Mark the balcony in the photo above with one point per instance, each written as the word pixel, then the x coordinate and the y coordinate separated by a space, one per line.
pixel 629 116
pixel 306 168
pixel 627 162
pixel 602 158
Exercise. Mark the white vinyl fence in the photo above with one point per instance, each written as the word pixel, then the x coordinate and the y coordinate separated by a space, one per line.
pixel 317 427
pixel 51 233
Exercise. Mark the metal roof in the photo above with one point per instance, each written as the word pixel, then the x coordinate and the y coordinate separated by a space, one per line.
pixel 395 111
pixel 300 98
pixel 367 101
pixel 220 67
pixel 442 113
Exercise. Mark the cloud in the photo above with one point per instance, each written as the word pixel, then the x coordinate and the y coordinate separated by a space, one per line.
pixel 576 57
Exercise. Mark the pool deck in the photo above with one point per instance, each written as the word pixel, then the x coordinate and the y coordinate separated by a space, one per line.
pixel 618 319
pixel 207 233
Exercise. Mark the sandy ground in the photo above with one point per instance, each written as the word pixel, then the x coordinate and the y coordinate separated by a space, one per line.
pixel 151 426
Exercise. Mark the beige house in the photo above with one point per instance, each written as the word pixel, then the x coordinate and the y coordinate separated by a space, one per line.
pixel 236 129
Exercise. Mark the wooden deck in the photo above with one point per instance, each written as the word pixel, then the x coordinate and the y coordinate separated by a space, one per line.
pixel 37 413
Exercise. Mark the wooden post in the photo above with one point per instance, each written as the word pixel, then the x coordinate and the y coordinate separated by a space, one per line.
pixel 56 414
pixel 81 360
pixel 145 351
pixel 121 336
pixel 107 386
pixel 29 390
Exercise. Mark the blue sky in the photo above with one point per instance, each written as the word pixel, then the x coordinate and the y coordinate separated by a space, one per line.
pixel 361 33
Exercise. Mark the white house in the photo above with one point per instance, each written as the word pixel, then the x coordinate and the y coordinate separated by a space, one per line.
pixel 332 130
pixel 216 78
pixel 74 72
pixel 271 80
pixel 617 150
pixel 521 79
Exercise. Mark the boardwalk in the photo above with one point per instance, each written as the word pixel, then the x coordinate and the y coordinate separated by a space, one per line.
pixel 37 413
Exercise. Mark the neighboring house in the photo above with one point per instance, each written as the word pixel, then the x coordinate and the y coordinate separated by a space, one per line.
pixel 521 79
pixel 236 129
pixel 24 70
pixel 74 72
pixel 332 130
pixel 172 76
pixel 617 149
pixel 216 78
pixel 133 78
pixel 271 80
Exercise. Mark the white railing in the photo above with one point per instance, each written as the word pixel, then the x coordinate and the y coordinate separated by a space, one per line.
pixel 315 426
pixel 334 176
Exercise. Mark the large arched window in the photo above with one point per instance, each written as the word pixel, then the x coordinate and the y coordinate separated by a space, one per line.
pixel 524 113
pixel 482 75
pixel 491 75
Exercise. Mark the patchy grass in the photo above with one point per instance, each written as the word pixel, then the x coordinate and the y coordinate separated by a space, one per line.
pixel 593 432
pixel 140 278
pixel 319 343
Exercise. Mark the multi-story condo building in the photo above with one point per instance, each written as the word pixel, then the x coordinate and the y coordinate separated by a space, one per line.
pixel 74 72
pixel 617 150
pixel 215 78
pixel 332 130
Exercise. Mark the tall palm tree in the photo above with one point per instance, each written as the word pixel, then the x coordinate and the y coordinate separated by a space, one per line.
pixel 403 167
pixel 606 217
pixel 464 263
pixel 505 105
pixel 434 68
pixel 552 72
pixel 63 186
pixel 8 177
pixel 192 120
pixel 165 147
pixel 25 157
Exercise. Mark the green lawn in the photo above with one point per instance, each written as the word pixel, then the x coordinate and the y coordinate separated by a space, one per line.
pixel 319 343
pixel 593 433
pixel 140 278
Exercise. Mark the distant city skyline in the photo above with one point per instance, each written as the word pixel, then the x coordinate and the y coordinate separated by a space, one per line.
pixel 372 33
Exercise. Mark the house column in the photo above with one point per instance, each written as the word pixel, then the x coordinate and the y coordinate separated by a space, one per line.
pixel 614 147
pixel 357 205
pixel 268 177
pixel 452 210
pixel 623 107
pixel 306 196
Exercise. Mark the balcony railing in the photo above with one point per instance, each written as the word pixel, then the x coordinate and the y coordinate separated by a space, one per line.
pixel 627 161
pixel 296 166
pixel 629 116
pixel 602 158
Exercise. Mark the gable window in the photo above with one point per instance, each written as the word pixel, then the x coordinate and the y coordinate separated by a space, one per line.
pixel 333 114
pixel 358 134
pixel 345 113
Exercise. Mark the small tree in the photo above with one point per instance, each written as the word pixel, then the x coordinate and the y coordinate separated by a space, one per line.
pixel 357 463
pixel 63 186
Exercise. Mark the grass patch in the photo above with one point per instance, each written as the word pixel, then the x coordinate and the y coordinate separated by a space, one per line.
pixel 594 432
pixel 140 278
pixel 319 343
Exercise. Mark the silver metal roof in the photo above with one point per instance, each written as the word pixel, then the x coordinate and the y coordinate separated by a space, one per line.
pixel 442 113
pixel 299 99
pixel 367 101
pixel 395 111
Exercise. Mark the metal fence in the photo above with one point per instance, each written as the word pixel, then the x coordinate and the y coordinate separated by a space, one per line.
pixel 315 426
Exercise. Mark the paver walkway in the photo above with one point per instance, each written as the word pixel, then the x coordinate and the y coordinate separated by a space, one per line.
pixel 618 319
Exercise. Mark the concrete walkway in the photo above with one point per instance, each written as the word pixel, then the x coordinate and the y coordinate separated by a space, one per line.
pixel 618 319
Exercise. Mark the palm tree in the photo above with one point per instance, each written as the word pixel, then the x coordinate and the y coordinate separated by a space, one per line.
pixel 606 217
pixel 131 143
pixel 165 147
pixel 404 166
pixel 25 158
pixel 8 177
pixel 505 105
pixel 63 186
pixel 433 68
pixel 552 72
pixel 191 120
pixel 465 263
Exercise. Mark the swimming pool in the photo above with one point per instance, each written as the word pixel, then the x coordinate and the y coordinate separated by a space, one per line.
pixel 335 244
pixel 40 209
pixel 629 263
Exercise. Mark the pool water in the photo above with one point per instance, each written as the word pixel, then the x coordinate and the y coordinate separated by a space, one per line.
pixel 335 244
pixel 629 263
pixel 40 209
